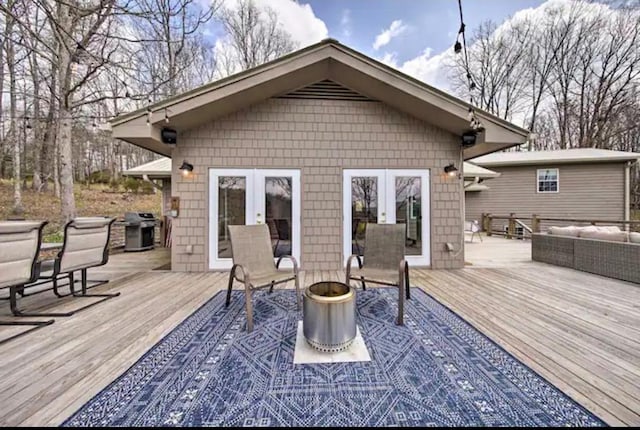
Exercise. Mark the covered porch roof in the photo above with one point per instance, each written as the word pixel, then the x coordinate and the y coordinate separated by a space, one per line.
pixel 326 60
pixel 156 169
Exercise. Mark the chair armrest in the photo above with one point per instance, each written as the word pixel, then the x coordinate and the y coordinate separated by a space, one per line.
pixel 403 266
pixel 350 259
pixel 348 268
pixel 46 266
pixel 289 257
pixel 245 273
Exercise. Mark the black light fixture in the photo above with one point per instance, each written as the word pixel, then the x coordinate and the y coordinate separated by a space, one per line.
pixel 457 47
pixel 468 139
pixel 451 170
pixel 186 168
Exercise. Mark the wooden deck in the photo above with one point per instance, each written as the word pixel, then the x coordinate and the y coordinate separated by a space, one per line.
pixel 580 331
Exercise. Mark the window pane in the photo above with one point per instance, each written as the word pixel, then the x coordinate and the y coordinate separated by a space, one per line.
pixel 279 213
pixel 231 209
pixel 409 212
pixel 364 209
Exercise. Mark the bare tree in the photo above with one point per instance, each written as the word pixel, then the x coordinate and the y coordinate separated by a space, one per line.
pixel 171 30
pixel 254 37
pixel 12 136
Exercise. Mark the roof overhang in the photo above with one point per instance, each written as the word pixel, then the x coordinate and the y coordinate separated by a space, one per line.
pixel 325 60
pixel 475 187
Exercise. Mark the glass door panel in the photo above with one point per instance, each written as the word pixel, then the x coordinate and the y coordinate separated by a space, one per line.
pixel 387 196
pixel 408 211
pixel 279 213
pixel 364 209
pixel 254 196
pixel 232 208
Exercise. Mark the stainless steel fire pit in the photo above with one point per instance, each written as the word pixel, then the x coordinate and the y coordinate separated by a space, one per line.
pixel 329 316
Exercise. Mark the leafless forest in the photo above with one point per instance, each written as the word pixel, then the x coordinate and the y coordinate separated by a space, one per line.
pixel 68 66
pixel 572 77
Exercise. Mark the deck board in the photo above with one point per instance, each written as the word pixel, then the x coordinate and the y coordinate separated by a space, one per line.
pixel 579 331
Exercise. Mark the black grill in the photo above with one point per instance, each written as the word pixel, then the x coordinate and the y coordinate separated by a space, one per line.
pixel 139 231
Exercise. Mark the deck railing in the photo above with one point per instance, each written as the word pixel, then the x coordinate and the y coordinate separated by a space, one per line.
pixel 522 227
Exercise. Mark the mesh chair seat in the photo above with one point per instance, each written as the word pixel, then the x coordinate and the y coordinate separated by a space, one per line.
pixel 252 252
pixel 262 279
pixel 383 261
pixel 373 274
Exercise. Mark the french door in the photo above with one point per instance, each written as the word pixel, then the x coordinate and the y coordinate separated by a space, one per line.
pixel 387 196
pixel 254 196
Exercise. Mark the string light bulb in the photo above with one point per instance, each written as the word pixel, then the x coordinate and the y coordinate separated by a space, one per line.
pixel 457 48
pixel 166 116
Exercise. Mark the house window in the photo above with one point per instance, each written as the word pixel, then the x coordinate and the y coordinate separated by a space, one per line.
pixel 548 181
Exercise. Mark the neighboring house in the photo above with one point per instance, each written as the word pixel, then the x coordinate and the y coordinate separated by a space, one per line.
pixel 580 183
pixel 315 144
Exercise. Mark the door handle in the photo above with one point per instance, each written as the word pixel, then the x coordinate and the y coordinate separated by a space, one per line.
pixel 258 220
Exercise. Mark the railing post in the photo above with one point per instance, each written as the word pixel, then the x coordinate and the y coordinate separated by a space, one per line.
pixel 535 223
pixel 488 224
pixel 511 230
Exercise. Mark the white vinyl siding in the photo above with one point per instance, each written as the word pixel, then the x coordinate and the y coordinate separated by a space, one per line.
pixel 548 180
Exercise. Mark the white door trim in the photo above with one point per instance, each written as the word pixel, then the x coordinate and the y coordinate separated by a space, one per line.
pixel 255 203
pixel 386 207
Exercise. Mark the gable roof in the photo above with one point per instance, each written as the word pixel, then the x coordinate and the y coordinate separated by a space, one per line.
pixel 326 60
pixel 561 156
pixel 156 169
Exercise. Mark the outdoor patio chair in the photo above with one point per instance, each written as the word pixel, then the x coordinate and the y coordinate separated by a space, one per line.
pixel 383 261
pixel 473 227
pixel 254 266
pixel 86 245
pixel 19 247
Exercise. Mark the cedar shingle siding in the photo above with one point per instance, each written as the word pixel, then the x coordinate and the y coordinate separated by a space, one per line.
pixel 587 191
pixel 321 138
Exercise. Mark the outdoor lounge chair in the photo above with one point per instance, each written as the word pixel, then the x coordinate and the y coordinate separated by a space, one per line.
pixel 86 245
pixel 254 266
pixel 19 247
pixel 383 261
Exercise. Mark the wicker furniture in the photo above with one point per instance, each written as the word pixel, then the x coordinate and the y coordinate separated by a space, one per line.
pixel 254 266
pixel 619 260
pixel 383 261
pixel 20 243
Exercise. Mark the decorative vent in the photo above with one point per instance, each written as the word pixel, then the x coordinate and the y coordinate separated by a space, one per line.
pixel 327 90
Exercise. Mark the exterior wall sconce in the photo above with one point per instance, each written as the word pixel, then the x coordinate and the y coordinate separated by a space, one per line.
pixel 186 169
pixel 451 170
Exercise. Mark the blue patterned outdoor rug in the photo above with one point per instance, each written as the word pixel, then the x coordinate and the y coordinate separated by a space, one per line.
pixel 437 370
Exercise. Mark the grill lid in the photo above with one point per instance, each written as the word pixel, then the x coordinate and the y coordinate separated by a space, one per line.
pixel 138 216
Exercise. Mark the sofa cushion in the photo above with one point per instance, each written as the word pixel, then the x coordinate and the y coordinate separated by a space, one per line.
pixel 612 236
pixel 588 228
pixel 612 228
pixel 634 237
pixel 564 231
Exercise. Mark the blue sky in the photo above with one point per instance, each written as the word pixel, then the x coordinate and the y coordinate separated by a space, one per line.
pixel 414 36
pixel 429 23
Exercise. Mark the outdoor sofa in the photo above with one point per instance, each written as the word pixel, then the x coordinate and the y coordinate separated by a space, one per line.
pixel 603 250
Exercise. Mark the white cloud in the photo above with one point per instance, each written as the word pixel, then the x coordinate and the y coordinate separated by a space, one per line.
pixel 345 23
pixel 430 69
pixel 297 19
pixel 434 69
pixel 382 39
pixel 390 59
